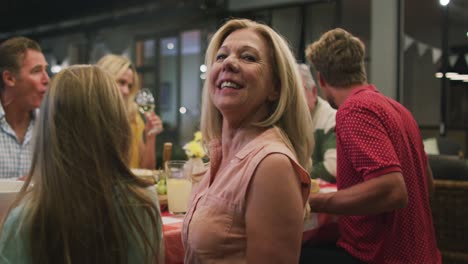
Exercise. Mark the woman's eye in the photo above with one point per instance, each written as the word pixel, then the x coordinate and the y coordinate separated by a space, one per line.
pixel 249 58
pixel 220 57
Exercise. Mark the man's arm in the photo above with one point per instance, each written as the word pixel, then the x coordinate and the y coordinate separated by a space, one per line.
pixel 381 194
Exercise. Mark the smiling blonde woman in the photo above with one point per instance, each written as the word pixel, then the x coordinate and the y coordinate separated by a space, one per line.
pixel 258 126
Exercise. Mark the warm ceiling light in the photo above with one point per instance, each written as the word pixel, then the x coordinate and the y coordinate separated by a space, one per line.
pixel 444 2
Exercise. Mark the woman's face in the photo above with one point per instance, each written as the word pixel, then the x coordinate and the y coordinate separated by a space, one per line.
pixel 241 79
pixel 125 82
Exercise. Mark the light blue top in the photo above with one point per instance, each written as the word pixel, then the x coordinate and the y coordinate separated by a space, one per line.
pixel 15 157
pixel 14 246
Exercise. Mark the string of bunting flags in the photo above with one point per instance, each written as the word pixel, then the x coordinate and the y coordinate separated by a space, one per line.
pixel 422 48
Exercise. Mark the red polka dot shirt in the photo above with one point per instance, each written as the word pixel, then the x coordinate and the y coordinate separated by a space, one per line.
pixel 376 136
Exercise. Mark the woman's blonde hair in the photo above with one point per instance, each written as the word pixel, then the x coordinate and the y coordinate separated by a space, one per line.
pixel 85 205
pixel 116 65
pixel 289 113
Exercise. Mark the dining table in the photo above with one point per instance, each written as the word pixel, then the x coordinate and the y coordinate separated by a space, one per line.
pixel 318 228
pixel 173 248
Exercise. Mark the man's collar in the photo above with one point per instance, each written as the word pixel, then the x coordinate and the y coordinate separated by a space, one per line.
pixel 2 111
pixel 361 88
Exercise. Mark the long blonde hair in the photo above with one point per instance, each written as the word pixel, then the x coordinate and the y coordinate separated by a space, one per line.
pixel 85 206
pixel 116 65
pixel 290 112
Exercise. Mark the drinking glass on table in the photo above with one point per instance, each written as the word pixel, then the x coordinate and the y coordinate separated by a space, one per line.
pixel 145 101
pixel 179 186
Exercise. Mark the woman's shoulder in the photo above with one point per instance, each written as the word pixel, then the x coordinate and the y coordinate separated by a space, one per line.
pixel 149 192
pixel 271 138
pixel 136 120
pixel 13 243
pixel 139 120
pixel 261 146
pixel 152 194
pixel 14 218
pixel 274 155
pixel 276 146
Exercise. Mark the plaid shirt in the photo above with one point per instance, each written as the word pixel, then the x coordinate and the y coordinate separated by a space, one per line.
pixel 15 158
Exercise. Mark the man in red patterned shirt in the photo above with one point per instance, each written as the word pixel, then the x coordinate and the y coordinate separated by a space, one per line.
pixel 383 177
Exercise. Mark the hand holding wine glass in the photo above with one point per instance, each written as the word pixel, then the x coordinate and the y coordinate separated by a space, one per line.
pixel 145 101
pixel 153 125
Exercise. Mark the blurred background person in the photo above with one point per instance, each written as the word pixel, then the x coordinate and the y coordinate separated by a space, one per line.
pixel 85 205
pixel 384 180
pixel 23 83
pixel 258 126
pixel 323 120
pixel 142 148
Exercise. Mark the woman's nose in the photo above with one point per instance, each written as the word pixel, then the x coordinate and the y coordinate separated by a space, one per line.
pixel 124 90
pixel 231 64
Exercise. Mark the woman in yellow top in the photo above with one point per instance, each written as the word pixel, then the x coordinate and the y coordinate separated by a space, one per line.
pixel 142 148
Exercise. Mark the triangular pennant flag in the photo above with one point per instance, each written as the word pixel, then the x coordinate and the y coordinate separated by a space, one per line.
pixel 126 52
pixel 408 41
pixel 436 53
pixel 452 60
pixel 422 47
pixel 65 63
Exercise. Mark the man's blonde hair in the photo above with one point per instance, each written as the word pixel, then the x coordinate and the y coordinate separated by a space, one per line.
pixel 289 113
pixel 339 57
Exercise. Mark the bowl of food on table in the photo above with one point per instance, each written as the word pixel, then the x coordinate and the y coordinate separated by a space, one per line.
pixel 8 191
pixel 147 175
pixel 157 178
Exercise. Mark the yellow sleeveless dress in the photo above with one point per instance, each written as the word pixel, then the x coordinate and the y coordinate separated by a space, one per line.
pixel 137 127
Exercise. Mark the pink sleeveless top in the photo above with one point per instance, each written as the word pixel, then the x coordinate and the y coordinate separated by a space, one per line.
pixel 214 228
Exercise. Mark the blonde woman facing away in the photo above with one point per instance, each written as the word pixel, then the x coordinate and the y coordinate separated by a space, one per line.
pixel 142 147
pixel 249 206
pixel 85 205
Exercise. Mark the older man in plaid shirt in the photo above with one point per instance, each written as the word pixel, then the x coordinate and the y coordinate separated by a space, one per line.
pixel 23 84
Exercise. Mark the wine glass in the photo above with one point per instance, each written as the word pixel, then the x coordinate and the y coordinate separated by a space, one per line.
pixel 145 101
